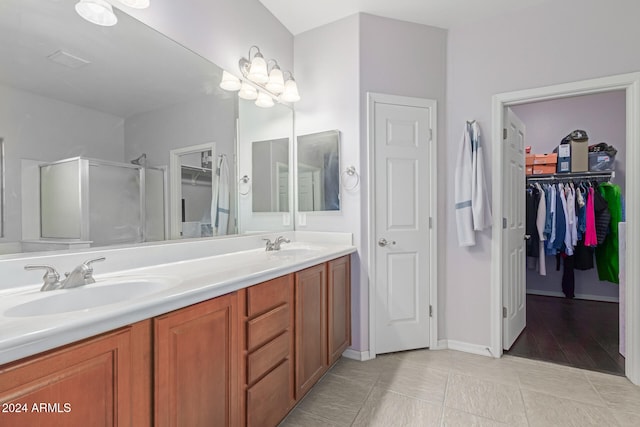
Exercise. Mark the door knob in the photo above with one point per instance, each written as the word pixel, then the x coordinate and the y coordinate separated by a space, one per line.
pixel 527 236
pixel 383 242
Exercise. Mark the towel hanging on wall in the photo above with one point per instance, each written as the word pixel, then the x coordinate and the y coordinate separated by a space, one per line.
pixel 473 211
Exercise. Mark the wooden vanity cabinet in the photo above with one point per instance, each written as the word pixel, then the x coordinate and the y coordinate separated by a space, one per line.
pixel 268 378
pixel 323 319
pixel 101 381
pixel 338 308
pixel 197 365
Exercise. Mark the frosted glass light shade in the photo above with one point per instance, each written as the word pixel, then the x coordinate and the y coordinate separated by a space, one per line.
pixel 136 4
pixel 264 100
pixel 98 12
pixel 248 92
pixel 258 69
pixel 290 93
pixel 276 81
pixel 230 82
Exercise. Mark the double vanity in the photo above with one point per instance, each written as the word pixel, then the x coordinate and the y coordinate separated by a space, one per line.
pixel 204 332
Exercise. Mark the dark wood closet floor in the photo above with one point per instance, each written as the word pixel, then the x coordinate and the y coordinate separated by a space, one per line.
pixel 578 333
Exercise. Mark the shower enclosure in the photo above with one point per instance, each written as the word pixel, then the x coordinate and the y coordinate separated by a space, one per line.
pixel 102 202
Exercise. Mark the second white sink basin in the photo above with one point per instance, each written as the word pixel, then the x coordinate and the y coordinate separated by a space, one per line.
pixel 103 292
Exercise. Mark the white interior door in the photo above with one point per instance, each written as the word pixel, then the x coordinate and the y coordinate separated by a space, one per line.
pixel 514 285
pixel 402 209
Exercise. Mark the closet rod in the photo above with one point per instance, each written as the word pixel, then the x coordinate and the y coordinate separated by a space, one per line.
pixel 572 176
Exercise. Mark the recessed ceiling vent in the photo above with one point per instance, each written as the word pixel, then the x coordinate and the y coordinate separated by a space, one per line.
pixel 68 60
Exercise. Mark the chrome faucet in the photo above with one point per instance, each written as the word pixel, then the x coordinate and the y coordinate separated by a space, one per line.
pixel 80 276
pixel 275 245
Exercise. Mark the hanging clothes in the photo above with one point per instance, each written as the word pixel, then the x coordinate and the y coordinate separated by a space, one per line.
pixel 607 258
pixel 590 237
pixel 540 226
pixel 473 212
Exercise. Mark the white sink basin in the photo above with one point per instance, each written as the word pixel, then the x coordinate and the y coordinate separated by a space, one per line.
pixel 101 293
pixel 294 251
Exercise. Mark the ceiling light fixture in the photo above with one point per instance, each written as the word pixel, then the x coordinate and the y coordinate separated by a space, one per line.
pixel 136 4
pixel 261 80
pixel 98 12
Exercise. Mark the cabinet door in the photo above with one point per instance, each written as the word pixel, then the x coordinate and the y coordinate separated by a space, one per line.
pixel 91 383
pixel 338 307
pixel 196 365
pixel 311 335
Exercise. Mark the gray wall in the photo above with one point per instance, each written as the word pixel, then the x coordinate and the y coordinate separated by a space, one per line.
pixel 531 48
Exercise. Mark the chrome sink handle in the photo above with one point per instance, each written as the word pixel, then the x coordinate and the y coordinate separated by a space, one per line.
pixel 81 275
pixel 269 246
pixel 51 279
pixel 279 241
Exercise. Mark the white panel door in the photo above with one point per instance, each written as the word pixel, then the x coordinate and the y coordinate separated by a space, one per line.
pixel 514 285
pixel 401 139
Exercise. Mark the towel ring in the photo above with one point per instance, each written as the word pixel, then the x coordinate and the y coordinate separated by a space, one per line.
pixel 244 180
pixel 350 172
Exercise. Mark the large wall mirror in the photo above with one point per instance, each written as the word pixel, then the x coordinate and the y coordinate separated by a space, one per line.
pixel 318 165
pixel 116 100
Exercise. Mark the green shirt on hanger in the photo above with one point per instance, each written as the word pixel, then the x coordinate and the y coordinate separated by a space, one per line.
pixel 607 259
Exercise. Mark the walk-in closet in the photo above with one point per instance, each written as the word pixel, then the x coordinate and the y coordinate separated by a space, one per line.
pixel 575 231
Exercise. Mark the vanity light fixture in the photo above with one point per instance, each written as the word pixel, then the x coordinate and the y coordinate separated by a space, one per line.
pixel 100 12
pixel 261 80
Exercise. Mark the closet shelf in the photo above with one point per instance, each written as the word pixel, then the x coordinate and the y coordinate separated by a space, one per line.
pixel 570 176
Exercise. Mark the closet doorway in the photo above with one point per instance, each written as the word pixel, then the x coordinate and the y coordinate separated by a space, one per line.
pixel 630 85
pixel 572 306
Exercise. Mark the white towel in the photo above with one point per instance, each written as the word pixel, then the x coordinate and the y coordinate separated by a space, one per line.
pixel 220 198
pixel 462 188
pixel 480 204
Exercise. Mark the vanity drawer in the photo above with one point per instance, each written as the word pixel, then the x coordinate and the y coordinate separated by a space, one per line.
pixel 266 357
pixel 268 401
pixel 266 327
pixel 267 295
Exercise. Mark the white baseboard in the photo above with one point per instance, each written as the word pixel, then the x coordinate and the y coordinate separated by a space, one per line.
pixel 356 355
pixel 482 350
pixel 578 296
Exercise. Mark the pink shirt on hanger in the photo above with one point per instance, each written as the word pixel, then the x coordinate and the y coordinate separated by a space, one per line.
pixel 590 238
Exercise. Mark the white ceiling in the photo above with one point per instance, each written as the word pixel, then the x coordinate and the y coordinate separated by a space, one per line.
pixel 302 15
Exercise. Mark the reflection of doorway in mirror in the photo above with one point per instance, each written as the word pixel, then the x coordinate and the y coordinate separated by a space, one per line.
pixel 191 174
pixel 282 198
pixel 310 189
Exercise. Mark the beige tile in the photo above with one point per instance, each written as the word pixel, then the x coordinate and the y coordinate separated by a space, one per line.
pixel 432 359
pixel 618 392
pixel 499 402
pixel 386 408
pixel 364 372
pixel 626 419
pixel 559 381
pixel 415 380
pixel 335 398
pixel 454 418
pixel 299 418
pixel 489 368
pixel 544 410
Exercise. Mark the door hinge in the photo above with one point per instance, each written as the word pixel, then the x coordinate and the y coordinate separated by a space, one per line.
pixel 504 133
pixel 430 222
pixel 504 312
pixel 504 223
pixel 430 311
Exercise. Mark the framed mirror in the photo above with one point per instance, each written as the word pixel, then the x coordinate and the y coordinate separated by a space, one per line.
pixel 265 157
pixel 318 171
pixel 124 94
pixel 270 169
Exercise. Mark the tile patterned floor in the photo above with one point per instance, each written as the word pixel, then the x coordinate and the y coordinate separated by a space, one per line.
pixel 449 388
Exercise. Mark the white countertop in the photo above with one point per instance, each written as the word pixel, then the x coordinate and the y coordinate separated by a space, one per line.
pixel 187 282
